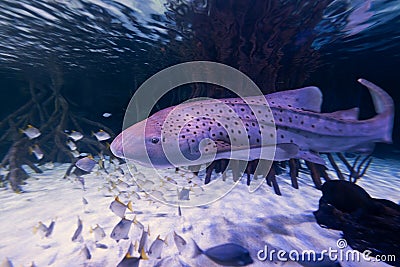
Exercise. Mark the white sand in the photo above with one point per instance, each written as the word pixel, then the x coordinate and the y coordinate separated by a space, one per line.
pixel 249 219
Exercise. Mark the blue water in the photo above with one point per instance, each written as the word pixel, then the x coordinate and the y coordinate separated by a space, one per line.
pixel 82 33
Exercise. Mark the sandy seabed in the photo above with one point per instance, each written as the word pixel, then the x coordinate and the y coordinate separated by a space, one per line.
pixel 253 220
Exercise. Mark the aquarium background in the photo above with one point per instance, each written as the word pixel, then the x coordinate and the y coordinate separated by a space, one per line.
pixel 104 50
pixel 96 53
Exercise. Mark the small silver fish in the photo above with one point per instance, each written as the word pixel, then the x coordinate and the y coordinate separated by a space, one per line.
pixel 179 210
pixel 132 248
pixel 101 135
pixel 6 263
pixel 107 115
pixel 98 232
pixel 156 248
pixel 75 153
pixel 119 208
pixel 36 151
pixel 129 261
pixel 49 165
pixel 41 228
pixel 3 171
pixel 76 136
pixel 31 132
pixel 50 228
pixel 71 145
pixel 121 230
pixel 86 252
pixel 179 242
pixel 229 254
pixel 86 164
pixel 84 201
pixel 78 231
pixel 184 194
pixel 102 246
pixel 143 239
pixel 44 230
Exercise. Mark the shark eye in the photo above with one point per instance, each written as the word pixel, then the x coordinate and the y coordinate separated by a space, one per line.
pixel 155 140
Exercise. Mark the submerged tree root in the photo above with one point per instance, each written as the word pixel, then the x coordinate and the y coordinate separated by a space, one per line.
pixel 49 112
pixel 260 167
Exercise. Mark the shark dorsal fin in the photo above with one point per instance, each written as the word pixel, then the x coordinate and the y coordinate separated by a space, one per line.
pixel 307 98
pixel 348 114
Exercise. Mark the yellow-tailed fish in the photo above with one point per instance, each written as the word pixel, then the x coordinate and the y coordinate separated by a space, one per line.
pixel 121 230
pixel 86 164
pixel 129 261
pixel 76 136
pixel 119 208
pixel 35 150
pixel 31 132
pixel 98 232
pixel 71 145
pixel 156 248
pixel 78 232
pixel 143 239
pixel 180 243
pixel 101 135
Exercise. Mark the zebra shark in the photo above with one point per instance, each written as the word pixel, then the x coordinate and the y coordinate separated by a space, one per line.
pixel 289 125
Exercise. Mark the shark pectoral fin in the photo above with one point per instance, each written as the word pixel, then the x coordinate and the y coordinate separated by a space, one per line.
pixel 307 98
pixel 285 151
pixel 310 156
pixel 348 114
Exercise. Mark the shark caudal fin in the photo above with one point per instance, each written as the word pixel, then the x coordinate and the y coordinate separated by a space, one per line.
pixel 384 106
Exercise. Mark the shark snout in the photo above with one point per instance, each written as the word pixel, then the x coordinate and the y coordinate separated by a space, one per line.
pixel 116 147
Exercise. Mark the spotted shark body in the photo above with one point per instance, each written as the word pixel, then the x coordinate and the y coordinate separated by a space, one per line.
pixel 278 126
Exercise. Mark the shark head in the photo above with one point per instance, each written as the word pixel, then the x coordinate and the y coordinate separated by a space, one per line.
pixel 142 142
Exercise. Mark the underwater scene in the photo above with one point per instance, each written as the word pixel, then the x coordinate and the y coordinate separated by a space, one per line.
pixel 191 133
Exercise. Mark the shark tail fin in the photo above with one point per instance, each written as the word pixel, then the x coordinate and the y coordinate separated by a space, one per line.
pixel 384 106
